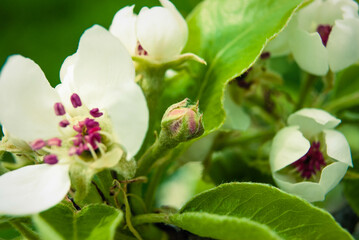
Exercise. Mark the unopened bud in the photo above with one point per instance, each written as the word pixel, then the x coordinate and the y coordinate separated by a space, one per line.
pixel 182 121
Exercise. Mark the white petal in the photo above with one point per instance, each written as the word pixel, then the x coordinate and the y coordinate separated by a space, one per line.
pixel 337 146
pixel 33 189
pixel 331 175
pixel 66 65
pixel 27 100
pixel 310 191
pixel 312 121
pixel 279 46
pixel 160 33
pixel 103 65
pixel 181 21
pixel 308 50
pixel 349 8
pixel 129 114
pixel 123 26
pixel 288 146
pixel 343 44
pixel 307 16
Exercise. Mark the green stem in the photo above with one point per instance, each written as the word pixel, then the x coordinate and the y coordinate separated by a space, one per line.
pixel 351 175
pixel 128 215
pixel 155 152
pixel 145 163
pixel 343 102
pixel 152 82
pixel 152 186
pixel 151 218
pixel 309 81
pixel 25 231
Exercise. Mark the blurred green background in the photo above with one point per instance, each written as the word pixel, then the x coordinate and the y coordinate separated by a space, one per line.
pixel 49 31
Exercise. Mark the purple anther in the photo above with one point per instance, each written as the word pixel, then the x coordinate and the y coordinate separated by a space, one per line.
pixel 76 100
pixel 95 112
pixel 64 123
pixel 80 149
pixel 51 159
pixel 38 144
pixel 93 130
pixel 54 142
pixel 91 123
pixel 79 127
pixel 324 31
pixel 59 109
pixel 141 51
pixel 78 140
pixel 311 163
pixel 93 139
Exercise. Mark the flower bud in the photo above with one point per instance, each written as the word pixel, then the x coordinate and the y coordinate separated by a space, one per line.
pixel 182 122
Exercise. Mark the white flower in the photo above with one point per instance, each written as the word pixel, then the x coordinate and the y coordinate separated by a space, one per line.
pixel 87 122
pixel 321 36
pixel 309 158
pixel 159 33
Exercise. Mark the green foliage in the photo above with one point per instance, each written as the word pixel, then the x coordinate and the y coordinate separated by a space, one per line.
pixel 49 31
pixel 92 222
pixel 347 82
pixel 255 211
pixel 229 165
pixel 230 35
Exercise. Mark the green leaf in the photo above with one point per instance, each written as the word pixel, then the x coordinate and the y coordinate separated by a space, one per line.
pixel 92 222
pixel 352 194
pixel 230 165
pixel 230 35
pixel 347 82
pixel 237 118
pixel 255 211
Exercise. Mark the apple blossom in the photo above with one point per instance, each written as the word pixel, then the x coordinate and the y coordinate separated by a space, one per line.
pixel 322 35
pixel 309 158
pixel 95 118
pixel 159 33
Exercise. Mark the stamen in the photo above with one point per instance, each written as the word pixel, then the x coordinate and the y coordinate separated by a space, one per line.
pixel 95 112
pixel 324 31
pixel 64 123
pixel 51 159
pixel 77 140
pixel 59 109
pixel 38 144
pixel 76 100
pixel 91 123
pixel 140 50
pixel 311 162
pixel 102 148
pixel 54 142
pixel 93 130
pixel 78 128
pixel 92 151
pixel 92 139
pixel 81 148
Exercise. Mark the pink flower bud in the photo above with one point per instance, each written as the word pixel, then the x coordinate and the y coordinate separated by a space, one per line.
pixel 182 121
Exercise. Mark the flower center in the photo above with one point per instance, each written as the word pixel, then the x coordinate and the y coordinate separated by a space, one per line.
pixel 324 31
pixel 82 137
pixel 140 51
pixel 311 163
